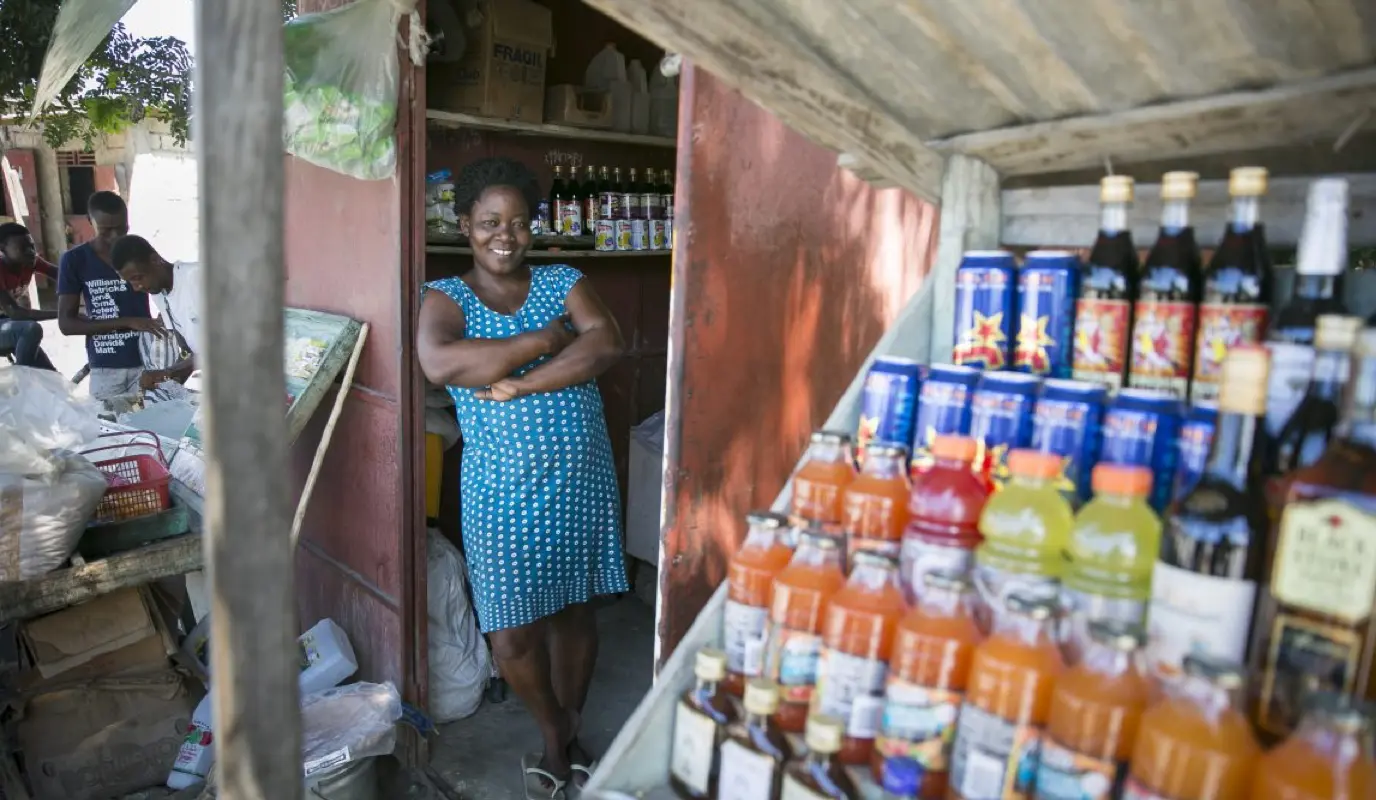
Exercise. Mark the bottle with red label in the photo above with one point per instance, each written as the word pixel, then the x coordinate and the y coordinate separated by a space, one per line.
pixel 1163 324
pixel 1108 287
pixel 1237 285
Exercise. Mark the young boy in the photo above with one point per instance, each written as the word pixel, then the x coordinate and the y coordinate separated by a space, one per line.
pixel 20 333
pixel 176 288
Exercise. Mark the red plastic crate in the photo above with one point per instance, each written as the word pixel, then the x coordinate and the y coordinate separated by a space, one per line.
pixel 138 484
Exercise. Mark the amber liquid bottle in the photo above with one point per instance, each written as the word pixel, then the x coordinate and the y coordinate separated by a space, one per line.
pixel 1318 632
pixel 1108 287
pixel 700 723
pixel 1305 435
pixel 755 751
pixel 1167 305
pixel 1237 285
pixel 819 775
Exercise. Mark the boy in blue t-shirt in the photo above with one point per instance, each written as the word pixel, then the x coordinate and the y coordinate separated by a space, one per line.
pixel 115 313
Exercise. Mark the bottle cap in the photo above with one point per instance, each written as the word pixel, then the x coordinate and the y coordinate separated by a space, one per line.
pixel 830 437
pixel 949 580
pixel 901 777
pixel 1323 240
pixel 766 519
pixel 1125 479
pixel 824 734
pixel 886 450
pixel 1035 464
pixel 1247 182
pixel 1343 712
pixel 761 696
pixel 1115 189
pixel 710 664
pixel 1336 332
pixel 1220 672
pixel 1242 385
pixel 1032 606
pixel 956 448
pixel 1123 636
pixel 1179 185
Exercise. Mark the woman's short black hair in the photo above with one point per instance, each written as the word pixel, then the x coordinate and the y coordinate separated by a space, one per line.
pixel 479 176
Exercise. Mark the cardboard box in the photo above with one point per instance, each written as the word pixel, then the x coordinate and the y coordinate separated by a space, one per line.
pixel 121 632
pixel 502 72
pixel 566 104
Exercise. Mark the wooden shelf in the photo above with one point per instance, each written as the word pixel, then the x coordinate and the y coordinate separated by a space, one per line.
pixel 453 119
pixel 452 250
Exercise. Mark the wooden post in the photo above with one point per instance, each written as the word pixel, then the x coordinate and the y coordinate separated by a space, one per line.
pixel 247 510
pixel 969 221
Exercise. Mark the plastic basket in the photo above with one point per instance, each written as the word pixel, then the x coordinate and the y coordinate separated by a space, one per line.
pixel 138 483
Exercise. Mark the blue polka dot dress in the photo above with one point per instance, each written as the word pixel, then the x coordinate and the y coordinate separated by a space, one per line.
pixel 541 514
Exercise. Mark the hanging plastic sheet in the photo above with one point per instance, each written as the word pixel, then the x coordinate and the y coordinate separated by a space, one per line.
pixel 80 28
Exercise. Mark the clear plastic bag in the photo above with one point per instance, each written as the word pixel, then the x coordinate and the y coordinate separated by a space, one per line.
pixel 348 723
pixel 458 654
pixel 39 414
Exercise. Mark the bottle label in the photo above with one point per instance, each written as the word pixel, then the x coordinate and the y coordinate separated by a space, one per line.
pixel 1222 326
pixel 630 205
pixel 1079 607
pixel 994 759
pixel 1291 367
pixel 1304 657
pixel 590 210
pixel 794 789
pixel 1194 613
pixel 695 741
pixel 744 631
pixel 1326 560
pixel 745 774
pixel 1162 341
pixel 884 547
pixel 995 586
pixel 919 557
pixel 1068 775
pixel 851 689
pixel 793 657
pixel 1101 341
pixel 918 723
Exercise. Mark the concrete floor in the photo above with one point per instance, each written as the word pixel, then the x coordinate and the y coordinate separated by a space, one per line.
pixel 480 757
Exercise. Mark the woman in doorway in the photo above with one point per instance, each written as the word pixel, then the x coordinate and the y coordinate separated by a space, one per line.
pixel 518 348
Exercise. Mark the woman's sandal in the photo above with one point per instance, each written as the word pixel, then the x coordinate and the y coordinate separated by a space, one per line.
pixel 537 780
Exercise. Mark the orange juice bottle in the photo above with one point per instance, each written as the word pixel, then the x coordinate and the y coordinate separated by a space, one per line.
pixel 857 640
pixel 1007 703
pixel 874 507
pixel 797 608
pixel 1329 757
pixel 828 468
pixel 1095 710
pixel 749 577
pixel 932 651
pixel 1196 744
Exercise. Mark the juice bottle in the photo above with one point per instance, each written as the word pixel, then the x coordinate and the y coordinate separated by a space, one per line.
pixel 749 577
pixel 1113 548
pixel 1026 528
pixel 901 779
pixel 1095 710
pixel 828 468
pixel 932 651
pixel 1330 756
pixel 1196 744
pixel 874 507
pixel 943 509
pixel 858 638
pixel 1007 703
pixel 699 726
pixel 755 750
pixel 797 609
pixel 818 775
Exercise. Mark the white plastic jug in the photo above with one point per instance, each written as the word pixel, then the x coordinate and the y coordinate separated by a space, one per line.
pixel 197 753
pixel 663 105
pixel 640 98
pixel 605 69
pixel 327 658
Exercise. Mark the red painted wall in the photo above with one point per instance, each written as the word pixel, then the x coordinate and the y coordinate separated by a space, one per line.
pixel 22 162
pixel 787 272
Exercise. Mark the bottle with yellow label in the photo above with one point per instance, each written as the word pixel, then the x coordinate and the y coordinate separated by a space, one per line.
pixel 1318 630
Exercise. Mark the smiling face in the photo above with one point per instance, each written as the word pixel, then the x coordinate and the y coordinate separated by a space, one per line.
pixel 499 230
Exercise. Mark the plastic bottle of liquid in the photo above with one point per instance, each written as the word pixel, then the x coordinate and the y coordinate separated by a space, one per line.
pixel 1196 742
pixel 755 751
pixel 874 507
pixel 1026 528
pixel 819 774
pixel 901 779
pixel 1329 757
pixel 858 639
pixel 749 578
pixel 1113 548
pixel 197 754
pixel 827 470
pixel 1007 703
pixel 1095 710
pixel 944 510
pixel 797 609
pixel 699 726
pixel 932 652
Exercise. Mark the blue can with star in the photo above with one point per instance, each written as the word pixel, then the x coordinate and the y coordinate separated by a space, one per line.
pixel 986 309
pixel 1048 285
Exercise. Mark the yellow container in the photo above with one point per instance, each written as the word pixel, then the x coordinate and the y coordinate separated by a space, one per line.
pixel 434 473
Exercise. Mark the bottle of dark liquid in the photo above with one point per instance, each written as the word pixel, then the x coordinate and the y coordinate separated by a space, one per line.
pixel 700 723
pixel 558 197
pixel 617 190
pixel 1322 259
pixel 1204 584
pixel 592 200
pixel 651 201
pixel 1168 296
pixel 631 199
pixel 1318 631
pixel 1108 287
pixel 608 198
pixel 666 188
pixel 755 751
pixel 1304 437
pixel 1237 285
pixel 573 206
pixel 818 775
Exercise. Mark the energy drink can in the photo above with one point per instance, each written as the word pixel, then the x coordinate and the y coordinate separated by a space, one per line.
pixel 1140 428
pixel 605 235
pixel 1048 284
pixel 640 234
pixel 986 308
pixel 623 234
pixel 943 407
pixel 1196 437
pixel 1001 420
pixel 888 402
pixel 1067 421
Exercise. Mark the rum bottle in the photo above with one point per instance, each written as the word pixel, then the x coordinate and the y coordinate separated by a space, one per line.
pixel 1108 287
pixel 609 200
pixel 1304 436
pixel 1168 297
pixel 632 206
pixel 651 201
pixel 819 775
pixel 755 751
pixel 700 723
pixel 592 200
pixel 1237 285
pixel 558 196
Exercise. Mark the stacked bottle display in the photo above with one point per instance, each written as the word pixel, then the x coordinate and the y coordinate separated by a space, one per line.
pixel 616 214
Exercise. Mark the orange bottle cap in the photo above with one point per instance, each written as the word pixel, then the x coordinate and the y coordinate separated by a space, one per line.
pixel 1035 464
pixel 1125 479
pixel 958 448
